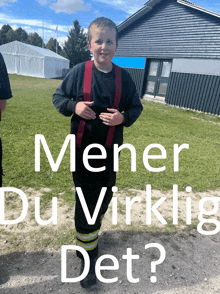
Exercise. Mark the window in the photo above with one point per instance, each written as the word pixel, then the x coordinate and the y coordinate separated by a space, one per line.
pixel 158 76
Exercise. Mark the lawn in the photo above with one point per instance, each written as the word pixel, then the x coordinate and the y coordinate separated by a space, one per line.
pixel 31 112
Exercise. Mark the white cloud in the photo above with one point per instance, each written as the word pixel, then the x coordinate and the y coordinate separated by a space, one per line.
pixel 118 2
pixel 132 10
pixel 70 6
pixel 47 35
pixel 14 27
pixel 5 2
pixel 34 25
pixel 97 13
pixel 32 22
pixel 62 40
pixel 27 28
pixel 44 2
pixel 129 6
pixel 114 2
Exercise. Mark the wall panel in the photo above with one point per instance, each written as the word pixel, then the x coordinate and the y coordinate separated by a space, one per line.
pixel 200 92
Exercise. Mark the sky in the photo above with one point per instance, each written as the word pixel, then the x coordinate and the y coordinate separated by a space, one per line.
pixel 33 15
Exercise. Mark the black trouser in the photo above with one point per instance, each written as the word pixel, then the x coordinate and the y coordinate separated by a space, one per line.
pixel 87 235
pixel 91 184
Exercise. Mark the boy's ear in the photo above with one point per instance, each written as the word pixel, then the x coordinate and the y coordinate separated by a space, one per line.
pixel 89 45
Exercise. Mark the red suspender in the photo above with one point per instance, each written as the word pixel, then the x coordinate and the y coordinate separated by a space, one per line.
pixel 87 97
pixel 87 81
pixel 115 105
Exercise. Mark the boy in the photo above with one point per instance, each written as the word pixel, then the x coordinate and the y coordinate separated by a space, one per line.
pixel 100 120
pixel 5 93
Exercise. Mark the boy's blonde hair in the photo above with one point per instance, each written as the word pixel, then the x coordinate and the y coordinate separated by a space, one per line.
pixel 102 22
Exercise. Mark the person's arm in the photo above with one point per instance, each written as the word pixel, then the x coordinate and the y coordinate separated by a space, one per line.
pixel 2 105
pixel 133 105
pixel 65 97
pixel 5 89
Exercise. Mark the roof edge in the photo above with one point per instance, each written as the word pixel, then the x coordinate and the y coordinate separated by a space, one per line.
pixel 133 18
pixel 192 5
pixel 148 6
pixel 40 50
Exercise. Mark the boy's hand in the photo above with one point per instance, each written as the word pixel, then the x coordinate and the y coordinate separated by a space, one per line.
pixel 83 110
pixel 112 119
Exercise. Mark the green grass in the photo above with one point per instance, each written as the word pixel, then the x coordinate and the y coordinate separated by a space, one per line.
pixel 198 166
pixel 31 112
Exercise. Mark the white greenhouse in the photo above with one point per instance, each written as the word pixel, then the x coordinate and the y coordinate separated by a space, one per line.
pixel 29 60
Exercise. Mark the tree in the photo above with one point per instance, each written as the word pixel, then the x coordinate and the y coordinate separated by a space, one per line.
pixel 75 48
pixel 35 39
pixel 3 38
pixel 51 45
pixel 7 34
pixel 3 34
pixel 10 35
pixel 6 28
pixel 17 35
pixel 21 35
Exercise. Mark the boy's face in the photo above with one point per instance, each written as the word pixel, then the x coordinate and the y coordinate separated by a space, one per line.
pixel 102 45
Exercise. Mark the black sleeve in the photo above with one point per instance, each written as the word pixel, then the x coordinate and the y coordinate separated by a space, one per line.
pixel 133 106
pixel 5 89
pixel 65 97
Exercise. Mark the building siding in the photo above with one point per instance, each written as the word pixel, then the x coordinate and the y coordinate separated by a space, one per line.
pixel 195 91
pixel 197 66
pixel 172 30
pixel 137 75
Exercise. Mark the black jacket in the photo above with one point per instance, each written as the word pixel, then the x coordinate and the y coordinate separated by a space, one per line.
pixel 5 89
pixel 102 92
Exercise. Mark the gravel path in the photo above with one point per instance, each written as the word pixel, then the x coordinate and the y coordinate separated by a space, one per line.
pixel 192 265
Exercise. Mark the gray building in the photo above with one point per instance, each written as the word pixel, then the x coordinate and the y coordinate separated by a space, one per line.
pixel 180 42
